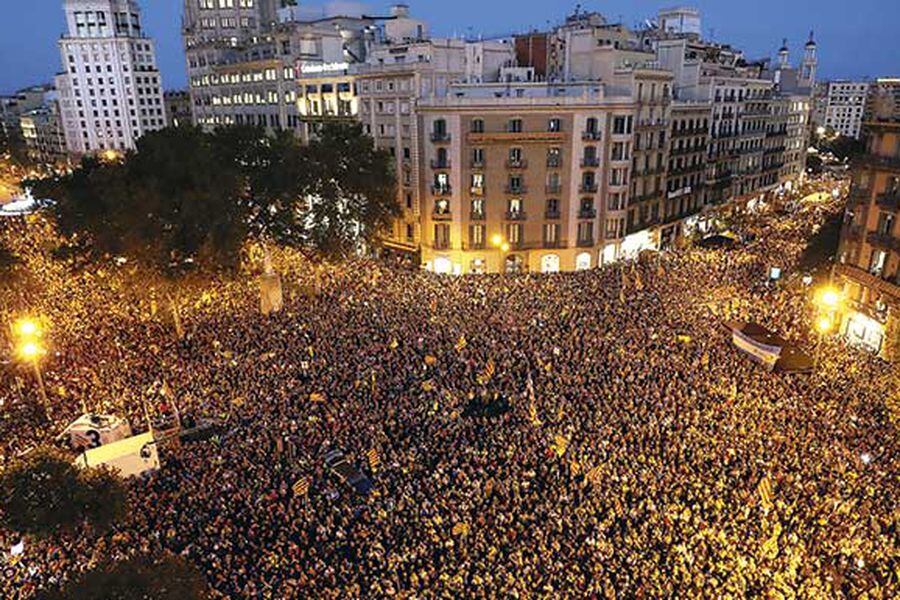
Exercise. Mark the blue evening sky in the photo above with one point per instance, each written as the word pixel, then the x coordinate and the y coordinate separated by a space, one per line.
pixel 856 39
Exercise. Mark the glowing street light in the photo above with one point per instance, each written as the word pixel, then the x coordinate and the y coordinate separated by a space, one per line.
pixel 824 325
pixel 829 298
pixel 28 333
pixel 27 328
pixel 497 240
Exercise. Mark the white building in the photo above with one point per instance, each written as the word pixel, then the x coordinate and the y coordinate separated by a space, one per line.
pixel 110 92
pixel 846 107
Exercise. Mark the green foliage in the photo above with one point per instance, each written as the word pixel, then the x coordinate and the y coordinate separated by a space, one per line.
pixel 814 162
pixel 43 493
pixel 822 246
pixel 353 193
pixel 139 578
pixel 186 197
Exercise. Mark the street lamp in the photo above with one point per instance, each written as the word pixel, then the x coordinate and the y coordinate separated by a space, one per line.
pixel 28 333
pixel 503 246
pixel 823 326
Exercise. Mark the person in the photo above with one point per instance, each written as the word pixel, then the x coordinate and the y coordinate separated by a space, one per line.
pixel 630 466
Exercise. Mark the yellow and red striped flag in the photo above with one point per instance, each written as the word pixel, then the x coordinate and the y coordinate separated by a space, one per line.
pixel 301 487
pixel 374 459
pixel 488 373
pixel 765 493
pixel 593 475
pixel 461 343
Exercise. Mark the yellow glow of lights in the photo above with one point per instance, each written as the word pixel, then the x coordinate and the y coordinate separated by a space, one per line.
pixel 830 298
pixel 824 325
pixel 27 328
pixel 497 240
pixel 505 247
pixel 30 351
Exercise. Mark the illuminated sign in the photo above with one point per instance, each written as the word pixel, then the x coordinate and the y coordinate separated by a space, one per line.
pixel 324 67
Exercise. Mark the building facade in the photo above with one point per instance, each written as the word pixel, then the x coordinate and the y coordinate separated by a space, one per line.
pixel 884 100
pixel 522 177
pixel 42 130
pixel 110 92
pixel 868 266
pixel 845 107
pixel 178 108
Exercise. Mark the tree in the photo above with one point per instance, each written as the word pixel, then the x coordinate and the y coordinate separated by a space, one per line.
pixel 352 195
pixel 43 492
pixel 822 246
pixel 139 578
pixel 274 176
pixel 168 204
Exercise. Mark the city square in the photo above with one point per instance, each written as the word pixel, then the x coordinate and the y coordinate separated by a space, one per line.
pixel 619 322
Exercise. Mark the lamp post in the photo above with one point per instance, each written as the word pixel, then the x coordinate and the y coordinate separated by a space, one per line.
pixel 828 301
pixel 28 335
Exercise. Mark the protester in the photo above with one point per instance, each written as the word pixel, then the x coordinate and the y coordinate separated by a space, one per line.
pixel 635 452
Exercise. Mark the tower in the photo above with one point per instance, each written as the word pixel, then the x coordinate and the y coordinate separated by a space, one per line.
pixel 110 88
pixel 810 63
pixel 783 55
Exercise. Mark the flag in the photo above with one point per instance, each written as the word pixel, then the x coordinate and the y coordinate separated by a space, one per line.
pixel 770 546
pixel 301 486
pixel 317 397
pixel 560 445
pixel 312 353
pixel 373 384
pixel 532 405
pixel 18 549
pixel 488 373
pixel 593 475
pixel 684 339
pixel 765 493
pixel 461 529
pixel 430 360
pixel 374 459
pixel 427 385
pixel 394 344
pixel 461 344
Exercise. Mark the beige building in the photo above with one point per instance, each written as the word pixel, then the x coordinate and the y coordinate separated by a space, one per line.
pixel 868 266
pixel 686 180
pixel 532 177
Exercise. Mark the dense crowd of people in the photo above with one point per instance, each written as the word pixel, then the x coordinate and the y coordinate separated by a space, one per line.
pixel 621 454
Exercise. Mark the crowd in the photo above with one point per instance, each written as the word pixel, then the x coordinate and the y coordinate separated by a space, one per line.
pixel 627 459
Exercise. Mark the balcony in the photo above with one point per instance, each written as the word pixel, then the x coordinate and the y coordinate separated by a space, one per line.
pixel 551 215
pixel 586 242
pixel 440 137
pixel 516 189
pixel 889 201
pixel 517 164
pixel 883 240
pixel 440 164
pixel 689 131
pixel 687 150
pixel 477 190
pixel 589 162
pixel 588 188
pixel 590 136
pixel 441 244
pixel 552 244
pixel 437 190
pixel 554 163
pixel 553 189
pixel 587 213
pixel 476 164
pixel 476 215
pixel 853 233
pixel 441 214
pixel 651 124
pixel 515 215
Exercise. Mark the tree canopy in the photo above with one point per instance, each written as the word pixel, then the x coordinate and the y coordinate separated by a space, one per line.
pixel 139 578
pixel 44 492
pixel 186 197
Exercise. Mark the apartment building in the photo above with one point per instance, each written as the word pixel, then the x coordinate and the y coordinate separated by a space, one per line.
pixel 686 180
pixel 13 107
pixel 244 58
pixel 845 107
pixel 110 90
pixel 43 134
pixel 884 100
pixel 868 266
pixel 178 108
pixel 530 176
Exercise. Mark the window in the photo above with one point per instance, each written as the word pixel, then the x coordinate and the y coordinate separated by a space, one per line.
pixel 515 156
pixel 477 157
pixel 477 183
pixel 552 208
pixel 551 233
pixel 586 232
pixel 514 126
pixel 477 208
pixel 476 235
pixel 441 235
pixel 619 126
pixel 478 126
pixel 554 157
pixel 554 125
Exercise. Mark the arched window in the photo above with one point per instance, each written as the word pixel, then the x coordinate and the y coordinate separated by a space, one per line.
pixel 550 263
pixel 583 261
